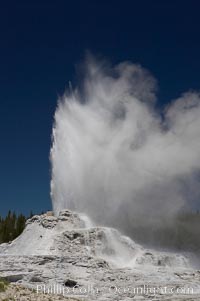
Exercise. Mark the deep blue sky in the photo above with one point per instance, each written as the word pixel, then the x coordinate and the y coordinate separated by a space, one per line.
pixel 40 44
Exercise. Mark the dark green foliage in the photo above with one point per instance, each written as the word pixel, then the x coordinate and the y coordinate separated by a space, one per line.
pixel 11 226
pixel 3 284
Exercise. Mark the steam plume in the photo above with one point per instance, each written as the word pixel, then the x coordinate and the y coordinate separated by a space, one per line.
pixel 114 156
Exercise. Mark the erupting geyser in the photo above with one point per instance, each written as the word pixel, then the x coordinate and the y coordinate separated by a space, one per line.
pixel 116 161
pixel 114 155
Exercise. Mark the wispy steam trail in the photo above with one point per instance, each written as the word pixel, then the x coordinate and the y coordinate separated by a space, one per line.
pixel 113 156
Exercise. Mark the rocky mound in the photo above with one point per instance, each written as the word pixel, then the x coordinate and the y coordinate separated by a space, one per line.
pixel 69 234
pixel 70 249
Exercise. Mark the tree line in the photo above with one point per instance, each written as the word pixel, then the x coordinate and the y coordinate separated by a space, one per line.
pixel 11 226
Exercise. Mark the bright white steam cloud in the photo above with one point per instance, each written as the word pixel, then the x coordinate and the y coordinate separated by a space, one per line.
pixel 114 156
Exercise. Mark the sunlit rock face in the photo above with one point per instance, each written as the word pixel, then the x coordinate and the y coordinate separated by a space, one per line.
pixel 69 248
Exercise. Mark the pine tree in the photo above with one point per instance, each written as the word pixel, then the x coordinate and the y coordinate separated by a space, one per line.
pixel 11 226
pixel 21 220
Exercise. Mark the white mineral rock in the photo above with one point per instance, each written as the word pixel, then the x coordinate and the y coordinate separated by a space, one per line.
pixel 104 264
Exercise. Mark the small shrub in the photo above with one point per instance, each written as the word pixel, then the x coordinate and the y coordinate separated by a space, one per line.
pixel 2 288
pixel 3 284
